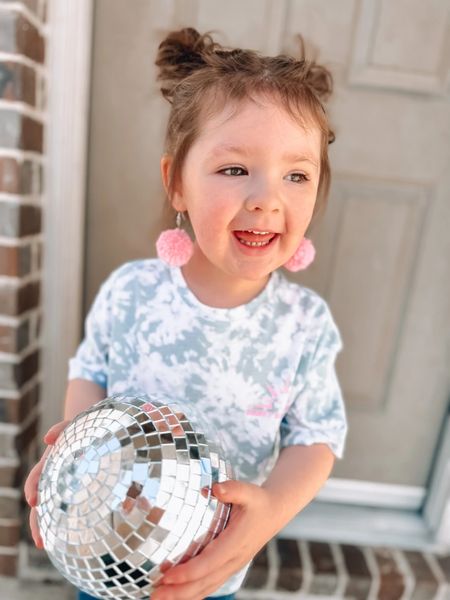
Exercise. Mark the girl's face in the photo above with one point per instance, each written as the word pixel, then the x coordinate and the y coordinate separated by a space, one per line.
pixel 249 184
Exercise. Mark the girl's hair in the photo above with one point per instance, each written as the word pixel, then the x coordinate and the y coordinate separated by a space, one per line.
pixel 200 77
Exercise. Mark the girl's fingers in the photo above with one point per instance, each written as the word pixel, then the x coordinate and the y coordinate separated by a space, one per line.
pixel 34 526
pixel 210 560
pixel 31 484
pixel 53 433
pixel 30 487
pixel 194 589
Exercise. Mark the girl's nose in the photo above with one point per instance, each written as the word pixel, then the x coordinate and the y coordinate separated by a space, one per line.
pixel 263 199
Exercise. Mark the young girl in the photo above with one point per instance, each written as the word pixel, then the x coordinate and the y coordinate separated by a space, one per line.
pixel 213 321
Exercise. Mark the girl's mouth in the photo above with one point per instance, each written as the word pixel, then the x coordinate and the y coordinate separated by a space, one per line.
pixel 255 239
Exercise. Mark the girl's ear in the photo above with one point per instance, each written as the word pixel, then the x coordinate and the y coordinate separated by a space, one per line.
pixel 166 163
pixel 176 200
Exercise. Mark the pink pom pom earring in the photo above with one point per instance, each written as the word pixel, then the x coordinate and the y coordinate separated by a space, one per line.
pixel 174 246
pixel 302 258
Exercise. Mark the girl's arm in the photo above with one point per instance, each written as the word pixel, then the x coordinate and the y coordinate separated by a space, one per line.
pixel 81 394
pixel 298 475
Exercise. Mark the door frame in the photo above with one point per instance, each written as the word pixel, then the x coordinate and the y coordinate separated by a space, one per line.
pixel 69 49
pixel 345 510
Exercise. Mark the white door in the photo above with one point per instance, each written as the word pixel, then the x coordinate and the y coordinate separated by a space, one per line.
pixel 383 247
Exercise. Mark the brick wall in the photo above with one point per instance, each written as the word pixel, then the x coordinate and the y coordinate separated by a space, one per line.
pixel 291 568
pixel 22 130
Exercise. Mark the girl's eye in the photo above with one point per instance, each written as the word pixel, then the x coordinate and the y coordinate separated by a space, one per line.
pixel 233 171
pixel 298 177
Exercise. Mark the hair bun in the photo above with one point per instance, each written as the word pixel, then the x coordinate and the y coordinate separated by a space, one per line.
pixel 318 78
pixel 180 54
pixel 320 81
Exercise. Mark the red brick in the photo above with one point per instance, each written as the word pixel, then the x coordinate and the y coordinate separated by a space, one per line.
pixel 9 476
pixel 26 436
pixel 19 131
pixel 16 300
pixel 15 261
pixel 29 296
pixel 9 508
pixel 15 411
pixel 8 565
pixel 324 569
pixel 257 576
pixel 19 36
pixel 18 83
pixel 392 585
pixel 9 534
pixel 290 576
pixel 426 584
pixel 360 579
pixel 27 368
pixel 14 339
pixel 17 177
pixel 28 458
pixel 14 375
pixel 29 40
pixel 32 135
pixel 18 220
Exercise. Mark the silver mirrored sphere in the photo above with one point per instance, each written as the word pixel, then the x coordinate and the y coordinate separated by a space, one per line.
pixel 120 496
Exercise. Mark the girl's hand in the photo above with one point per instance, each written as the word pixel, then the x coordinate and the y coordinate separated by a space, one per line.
pixel 250 527
pixel 31 484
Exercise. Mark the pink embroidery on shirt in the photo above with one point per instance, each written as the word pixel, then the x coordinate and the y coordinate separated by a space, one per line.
pixel 268 409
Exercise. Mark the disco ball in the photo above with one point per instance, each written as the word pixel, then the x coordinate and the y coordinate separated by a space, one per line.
pixel 120 496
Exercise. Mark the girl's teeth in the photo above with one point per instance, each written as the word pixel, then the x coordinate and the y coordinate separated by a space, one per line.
pixel 255 243
pixel 249 237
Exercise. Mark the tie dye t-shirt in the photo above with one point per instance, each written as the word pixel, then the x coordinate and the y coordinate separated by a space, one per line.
pixel 263 372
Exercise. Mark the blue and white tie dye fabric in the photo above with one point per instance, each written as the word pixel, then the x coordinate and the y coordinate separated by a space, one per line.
pixel 263 373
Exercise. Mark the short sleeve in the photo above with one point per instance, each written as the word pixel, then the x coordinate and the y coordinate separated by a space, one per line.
pixel 317 413
pixel 91 359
